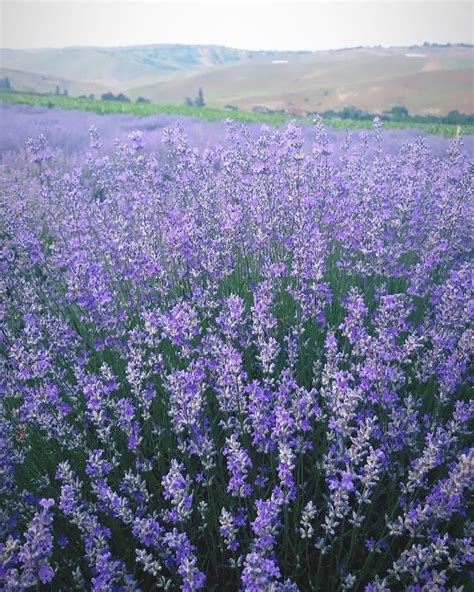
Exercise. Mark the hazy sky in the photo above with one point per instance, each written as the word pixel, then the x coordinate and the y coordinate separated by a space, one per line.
pixel 253 25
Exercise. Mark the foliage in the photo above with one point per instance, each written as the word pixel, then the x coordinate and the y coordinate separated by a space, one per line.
pixel 400 114
pixel 5 83
pixel 199 101
pixel 121 98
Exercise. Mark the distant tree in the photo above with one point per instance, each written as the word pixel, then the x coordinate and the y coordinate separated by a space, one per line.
pixel 122 98
pixel 399 112
pixel 453 117
pixel 108 96
pixel 188 102
pixel 351 112
pixel 58 90
pixel 142 100
pixel 65 92
pixel 199 102
pixel 458 118
pixel 5 83
pixel 91 97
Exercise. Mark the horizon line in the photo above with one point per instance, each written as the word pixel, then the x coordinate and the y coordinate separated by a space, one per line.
pixel 351 47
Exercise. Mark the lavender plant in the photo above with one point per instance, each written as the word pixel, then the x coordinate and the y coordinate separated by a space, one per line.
pixel 243 366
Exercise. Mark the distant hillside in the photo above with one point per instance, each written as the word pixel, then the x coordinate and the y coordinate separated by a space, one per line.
pixel 430 79
pixel 117 67
pixel 34 82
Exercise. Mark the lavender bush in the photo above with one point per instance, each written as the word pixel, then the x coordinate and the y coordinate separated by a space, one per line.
pixel 240 367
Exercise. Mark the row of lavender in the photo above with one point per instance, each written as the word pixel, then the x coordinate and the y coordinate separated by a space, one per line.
pixel 67 131
pixel 236 368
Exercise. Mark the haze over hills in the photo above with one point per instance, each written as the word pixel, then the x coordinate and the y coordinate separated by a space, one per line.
pixel 427 80
pixel 116 68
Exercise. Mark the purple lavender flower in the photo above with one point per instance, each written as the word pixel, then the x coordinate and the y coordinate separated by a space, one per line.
pixel 176 489
pixel 238 464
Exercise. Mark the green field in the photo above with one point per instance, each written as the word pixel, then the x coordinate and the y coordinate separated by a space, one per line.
pixel 211 114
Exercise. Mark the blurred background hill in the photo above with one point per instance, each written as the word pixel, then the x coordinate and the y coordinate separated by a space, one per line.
pixel 428 79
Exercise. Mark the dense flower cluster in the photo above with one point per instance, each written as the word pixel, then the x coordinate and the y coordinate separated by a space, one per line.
pixel 243 367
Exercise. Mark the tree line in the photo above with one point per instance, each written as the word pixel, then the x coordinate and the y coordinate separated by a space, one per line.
pixel 400 113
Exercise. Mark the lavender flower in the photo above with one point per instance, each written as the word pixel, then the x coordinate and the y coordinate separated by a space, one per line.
pixel 176 489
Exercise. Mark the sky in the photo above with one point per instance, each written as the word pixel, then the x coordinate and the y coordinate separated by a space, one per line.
pixel 297 25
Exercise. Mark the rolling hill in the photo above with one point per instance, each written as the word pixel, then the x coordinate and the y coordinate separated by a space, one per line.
pixel 427 80
pixel 119 67
pixel 39 83
pixel 435 81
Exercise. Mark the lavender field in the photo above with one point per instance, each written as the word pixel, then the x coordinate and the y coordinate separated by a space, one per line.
pixel 233 358
pixel 68 131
